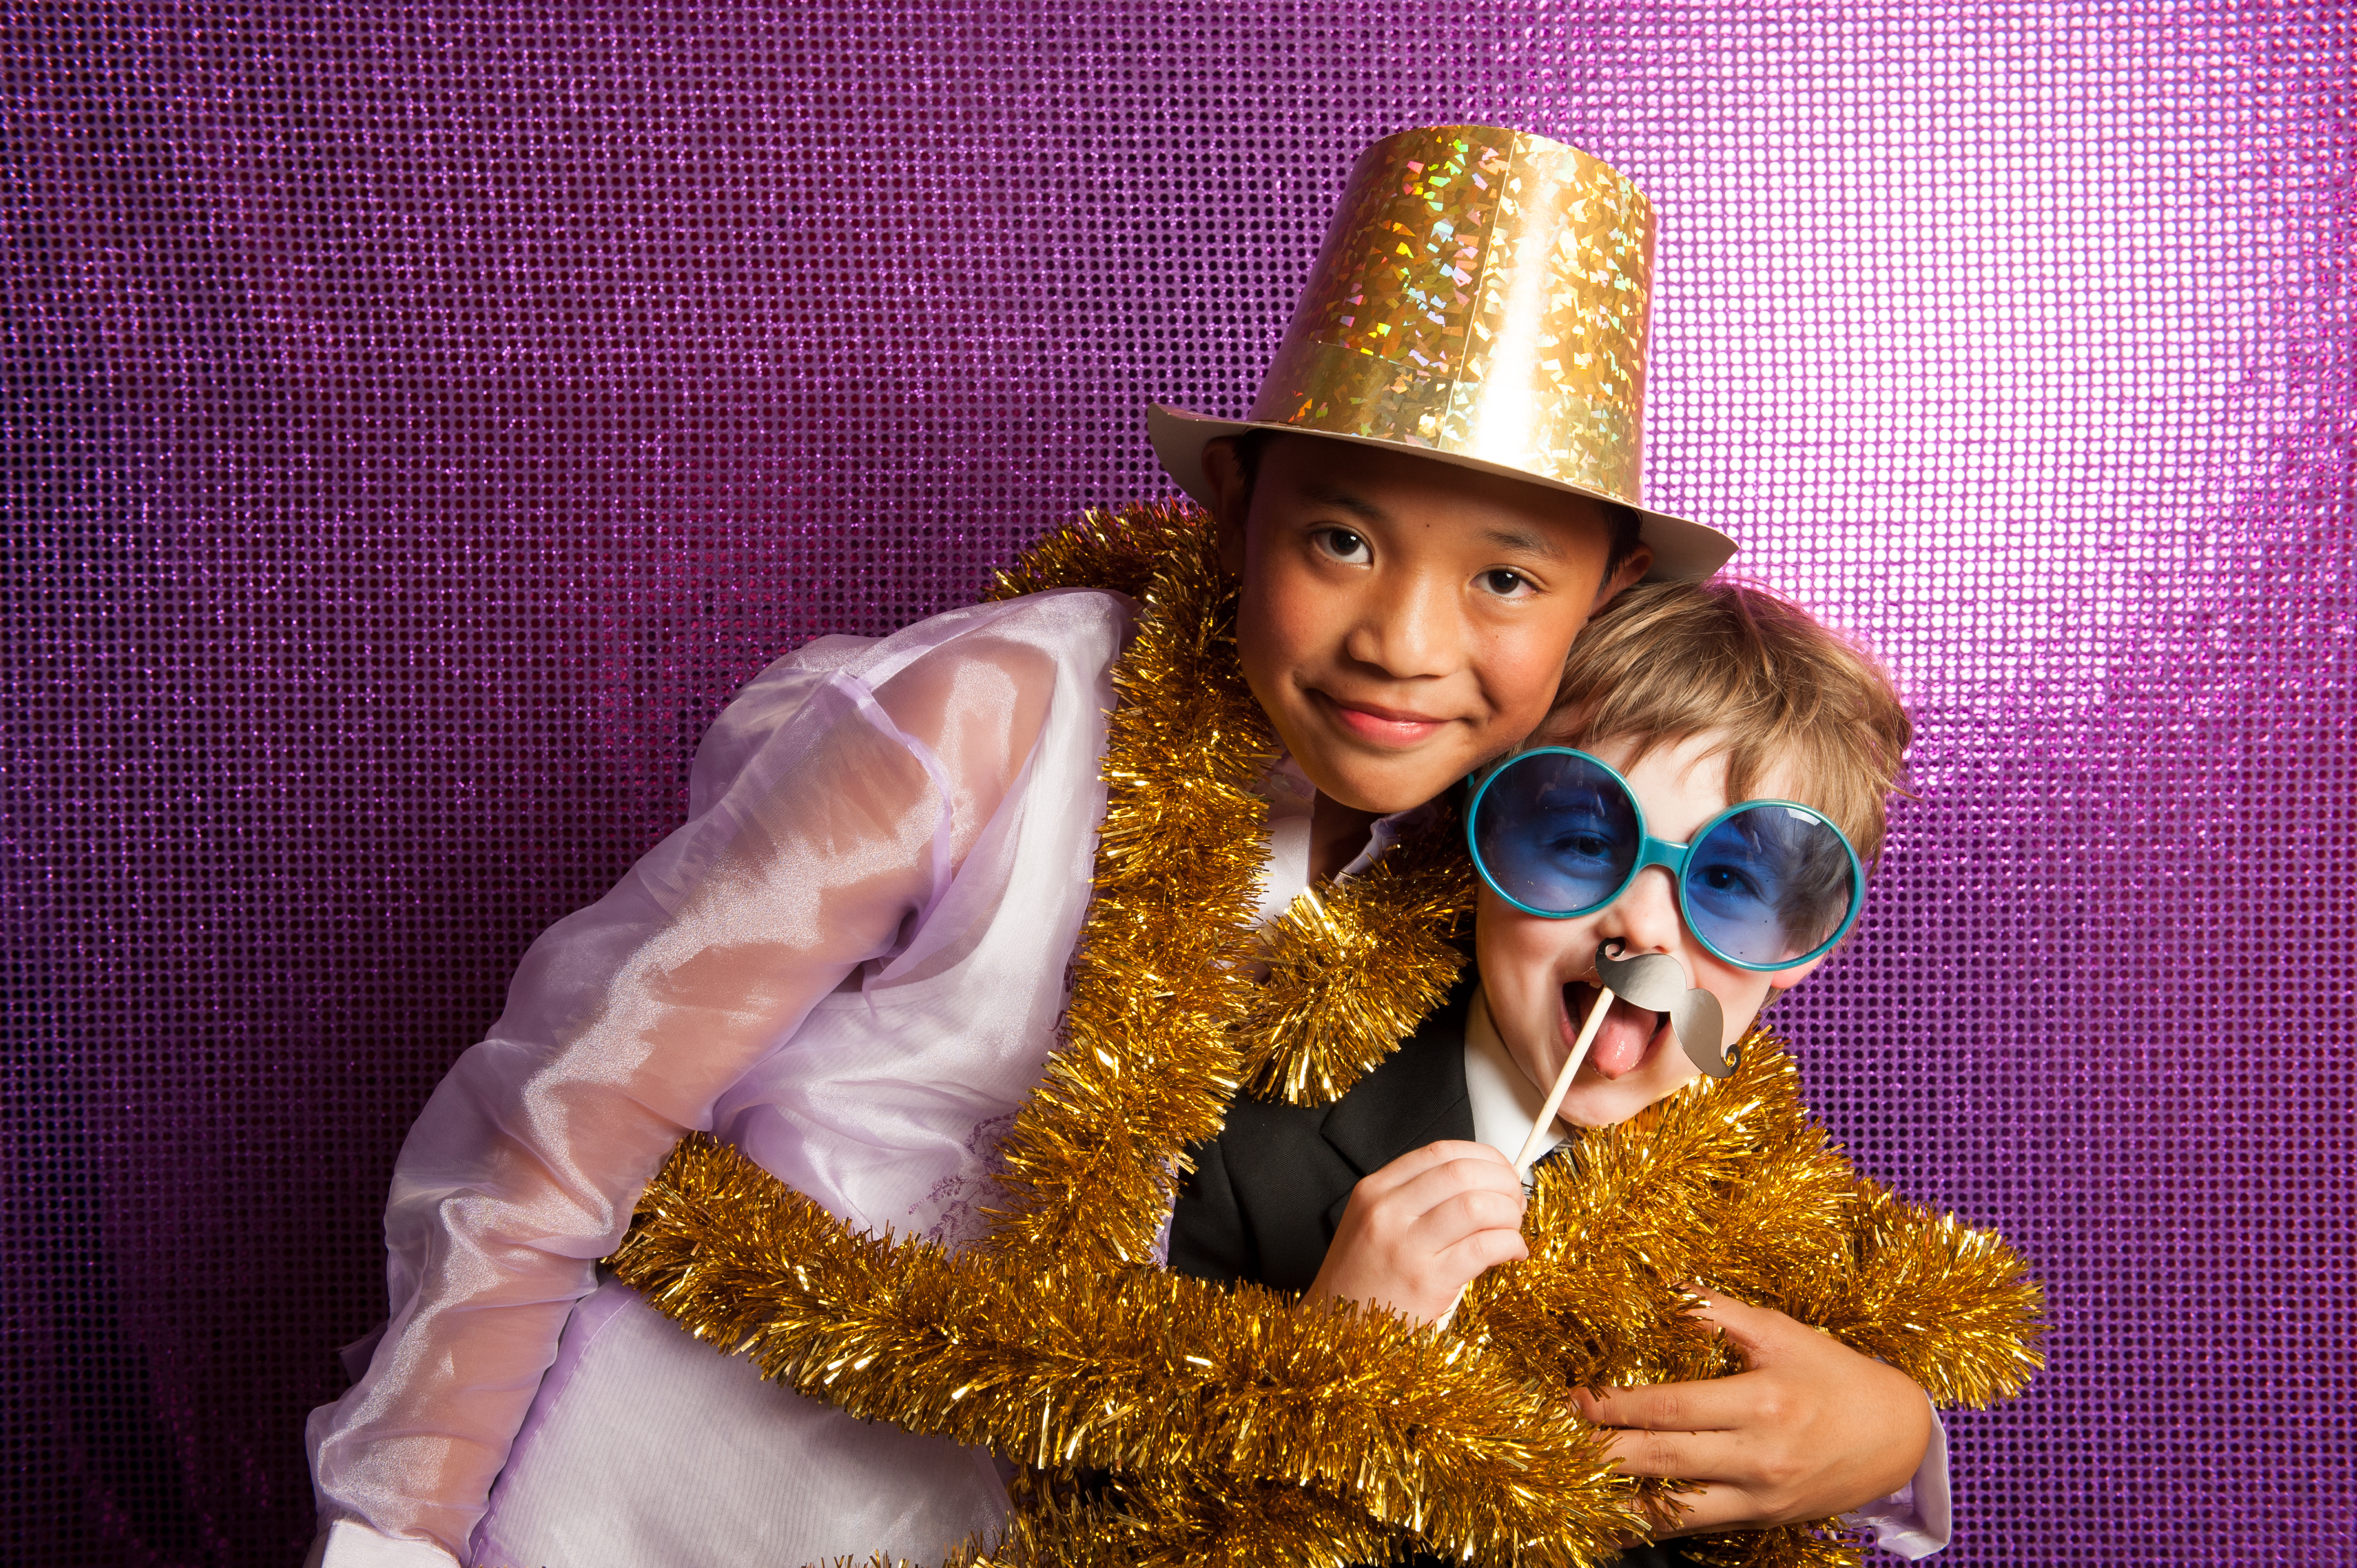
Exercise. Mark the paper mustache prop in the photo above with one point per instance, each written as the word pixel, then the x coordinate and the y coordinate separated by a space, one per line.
pixel 1657 983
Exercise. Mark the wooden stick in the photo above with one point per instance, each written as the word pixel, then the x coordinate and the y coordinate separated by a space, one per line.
pixel 1535 1142
pixel 1538 1142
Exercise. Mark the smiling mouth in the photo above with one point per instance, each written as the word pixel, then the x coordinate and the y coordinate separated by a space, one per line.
pixel 1629 1033
pixel 1385 726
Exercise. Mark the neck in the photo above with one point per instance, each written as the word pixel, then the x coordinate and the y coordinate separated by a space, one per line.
pixel 1337 834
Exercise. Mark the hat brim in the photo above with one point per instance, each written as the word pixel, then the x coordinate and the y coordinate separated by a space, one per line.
pixel 1684 550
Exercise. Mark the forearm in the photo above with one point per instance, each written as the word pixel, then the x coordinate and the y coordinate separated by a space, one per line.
pixel 519 1176
pixel 624 1025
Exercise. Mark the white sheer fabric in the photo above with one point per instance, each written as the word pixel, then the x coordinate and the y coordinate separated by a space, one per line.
pixel 850 964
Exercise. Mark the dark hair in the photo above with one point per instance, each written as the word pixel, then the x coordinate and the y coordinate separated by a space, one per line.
pixel 1628 533
pixel 1628 528
pixel 1251 446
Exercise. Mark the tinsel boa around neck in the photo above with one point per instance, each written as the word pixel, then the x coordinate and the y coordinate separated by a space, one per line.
pixel 1348 972
pixel 1166 1420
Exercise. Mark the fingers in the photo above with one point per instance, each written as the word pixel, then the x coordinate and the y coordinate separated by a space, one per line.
pixel 1443 1200
pixel 1814 1429
pixel 1717 1404
pixel 1477 1253
pixel 1472 1165
pixel 1722 1456
pixel 1437 1196
pixel 1765 1338
pixel 1707 1511
pixel 1750 1482
pixel 1709 1508
pixel 1431 1212
pixel 1759 1332
pixel 1415 1232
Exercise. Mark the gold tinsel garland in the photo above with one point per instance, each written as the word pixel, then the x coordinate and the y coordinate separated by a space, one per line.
pixel 1138 1371
pixel 1237 1423
pixel 1159 978
pixel 1352 970
pixel 1731 1183
pixel 1168 1421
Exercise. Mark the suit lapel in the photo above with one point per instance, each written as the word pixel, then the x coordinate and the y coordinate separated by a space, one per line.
pixel 1415 1098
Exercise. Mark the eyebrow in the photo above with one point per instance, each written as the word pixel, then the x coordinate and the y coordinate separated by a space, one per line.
pixel 1524 541
pixel 1342 499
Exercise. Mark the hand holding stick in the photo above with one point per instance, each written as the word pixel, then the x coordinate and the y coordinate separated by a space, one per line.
pixel 1535 1143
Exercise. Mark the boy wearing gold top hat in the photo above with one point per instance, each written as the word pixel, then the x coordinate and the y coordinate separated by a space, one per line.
pixel 851 963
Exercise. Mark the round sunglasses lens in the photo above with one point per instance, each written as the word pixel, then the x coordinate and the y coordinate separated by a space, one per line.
pixel 1556 832
pixel 1769 883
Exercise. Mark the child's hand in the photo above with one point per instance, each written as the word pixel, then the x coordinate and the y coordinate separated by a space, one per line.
pixel 1417 1230
pixel 1808 1430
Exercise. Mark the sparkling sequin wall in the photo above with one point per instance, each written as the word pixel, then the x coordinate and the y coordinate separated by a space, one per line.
pixel 419 419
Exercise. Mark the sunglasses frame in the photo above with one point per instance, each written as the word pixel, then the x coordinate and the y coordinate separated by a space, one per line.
pixel 1650 851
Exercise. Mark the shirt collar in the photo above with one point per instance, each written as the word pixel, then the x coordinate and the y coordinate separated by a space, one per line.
pixel 1291 796
pixel 1506 1103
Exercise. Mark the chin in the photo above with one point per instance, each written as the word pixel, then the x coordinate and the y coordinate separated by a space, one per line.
pixel 1609 1108
pixel 1394 782
pixel 1623 1097
pixel 1353 786
pixel 1377 801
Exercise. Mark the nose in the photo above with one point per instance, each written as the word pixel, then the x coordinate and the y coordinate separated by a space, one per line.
pixel 1645 919
pixel 1407 625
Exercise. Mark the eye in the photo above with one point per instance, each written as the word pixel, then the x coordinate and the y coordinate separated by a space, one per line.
pixel 1507 584
pixel 1342 544
pixel 1729 883
pixel 1586 846
pixel 1582 835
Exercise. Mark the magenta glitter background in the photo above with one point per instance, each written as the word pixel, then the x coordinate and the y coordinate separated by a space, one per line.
pixel 418 419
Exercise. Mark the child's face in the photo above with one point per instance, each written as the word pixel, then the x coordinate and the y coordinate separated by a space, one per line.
pixel 1539 974
pixel 1403 620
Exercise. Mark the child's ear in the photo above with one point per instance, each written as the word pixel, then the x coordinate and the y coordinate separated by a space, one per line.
pixel 1631 571
pixel 1230 501
pixel 1783 980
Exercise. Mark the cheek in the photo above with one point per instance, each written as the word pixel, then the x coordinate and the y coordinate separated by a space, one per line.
pixel 1740 996
pixel 1276 617
pixel 1519 954
pixel 1498 940
pixel 1521 669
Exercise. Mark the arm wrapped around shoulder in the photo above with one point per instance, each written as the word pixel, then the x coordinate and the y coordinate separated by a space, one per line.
pixel 1730 1183
pixel 1166 1420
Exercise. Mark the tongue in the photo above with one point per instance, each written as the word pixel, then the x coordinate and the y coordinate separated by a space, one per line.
pixel 1620 1044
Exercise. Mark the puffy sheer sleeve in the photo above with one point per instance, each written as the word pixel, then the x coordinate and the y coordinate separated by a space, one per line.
pixel 831 807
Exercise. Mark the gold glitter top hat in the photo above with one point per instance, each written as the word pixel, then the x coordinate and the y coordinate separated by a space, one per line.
pixel 1482 299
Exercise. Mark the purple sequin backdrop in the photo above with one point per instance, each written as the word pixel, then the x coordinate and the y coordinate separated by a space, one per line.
pixel 420 419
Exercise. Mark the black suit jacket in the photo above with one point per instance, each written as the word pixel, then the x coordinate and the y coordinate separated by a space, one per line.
pixel 1269 1190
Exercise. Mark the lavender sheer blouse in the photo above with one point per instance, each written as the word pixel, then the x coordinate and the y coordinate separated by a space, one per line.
pixel 849 964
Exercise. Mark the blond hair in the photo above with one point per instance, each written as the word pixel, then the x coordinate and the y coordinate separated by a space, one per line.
pixel 1664 662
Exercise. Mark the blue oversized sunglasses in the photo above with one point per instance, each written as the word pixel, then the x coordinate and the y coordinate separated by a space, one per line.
pixel 1765 885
